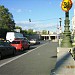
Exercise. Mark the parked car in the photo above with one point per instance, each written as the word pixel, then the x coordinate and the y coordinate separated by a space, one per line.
pixel 20 44
pixel 23 38
pixel 34 41
pixel 6 49
pixel 13 35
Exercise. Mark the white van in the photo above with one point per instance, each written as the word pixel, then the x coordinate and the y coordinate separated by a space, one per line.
pixel 13 35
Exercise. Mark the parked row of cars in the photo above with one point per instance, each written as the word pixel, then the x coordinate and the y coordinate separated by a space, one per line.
pixel 18 44
pixel 8 48
pixel 23 43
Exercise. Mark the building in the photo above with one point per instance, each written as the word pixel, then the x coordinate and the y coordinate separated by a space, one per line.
pixel 53 37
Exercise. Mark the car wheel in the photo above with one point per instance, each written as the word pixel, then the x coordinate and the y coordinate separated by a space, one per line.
pixel 0 56
pixel 28 47
pixel 22 48
pixel 14 52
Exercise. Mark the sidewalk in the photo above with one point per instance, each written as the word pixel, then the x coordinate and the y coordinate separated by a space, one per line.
pixel 65 64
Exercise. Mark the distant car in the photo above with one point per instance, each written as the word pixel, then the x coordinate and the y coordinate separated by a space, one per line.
pixel 20 44
pixel 6 49
pixel 34 41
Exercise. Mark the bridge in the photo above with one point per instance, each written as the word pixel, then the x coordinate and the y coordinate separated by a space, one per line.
pixel 50 37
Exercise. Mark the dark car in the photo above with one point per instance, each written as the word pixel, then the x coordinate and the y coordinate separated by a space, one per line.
pixel 6 49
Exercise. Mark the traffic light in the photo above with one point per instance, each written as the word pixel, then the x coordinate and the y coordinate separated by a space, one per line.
pixel 29 20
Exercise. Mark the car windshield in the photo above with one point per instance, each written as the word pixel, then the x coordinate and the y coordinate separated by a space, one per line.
pixel 15 42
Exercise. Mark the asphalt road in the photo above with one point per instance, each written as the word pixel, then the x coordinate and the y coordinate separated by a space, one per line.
pixel 38 61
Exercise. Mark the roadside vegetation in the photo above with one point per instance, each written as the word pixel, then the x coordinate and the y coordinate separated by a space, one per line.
pixel 7 24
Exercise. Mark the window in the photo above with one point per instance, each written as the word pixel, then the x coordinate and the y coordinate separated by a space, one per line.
pixel 15 42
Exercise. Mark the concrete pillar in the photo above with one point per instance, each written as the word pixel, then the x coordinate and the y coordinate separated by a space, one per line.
pixel 44 37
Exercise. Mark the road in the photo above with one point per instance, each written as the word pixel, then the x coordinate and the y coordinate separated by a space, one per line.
pixel 38 61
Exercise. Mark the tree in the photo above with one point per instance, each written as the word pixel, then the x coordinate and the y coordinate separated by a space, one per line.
pixel 30 31
pixel 17 27
pixel 6 19
pixel 24 31
pixel 44 32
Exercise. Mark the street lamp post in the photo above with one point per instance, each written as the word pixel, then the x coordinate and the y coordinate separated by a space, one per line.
pixel 66 6
pixel 60 20
pixel 66 42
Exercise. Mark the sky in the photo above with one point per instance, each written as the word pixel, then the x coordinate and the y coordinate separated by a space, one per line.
pixel 44 14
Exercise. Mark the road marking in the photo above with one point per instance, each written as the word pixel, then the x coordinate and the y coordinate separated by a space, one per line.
pixel 20 55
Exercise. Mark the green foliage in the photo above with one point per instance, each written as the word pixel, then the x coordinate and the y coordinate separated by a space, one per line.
pixel 30 31
pixel 44 32
pixel 3 32
pixel 24 31
pixel 6 22
pixel 17 27
pixel 6 19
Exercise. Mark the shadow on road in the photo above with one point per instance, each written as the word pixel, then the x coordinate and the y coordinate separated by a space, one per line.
pixel 53 56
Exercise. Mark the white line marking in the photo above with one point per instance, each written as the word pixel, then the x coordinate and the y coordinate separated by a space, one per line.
pixel 21 55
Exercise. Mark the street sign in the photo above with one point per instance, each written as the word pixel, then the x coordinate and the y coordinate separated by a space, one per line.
pixel 66 5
